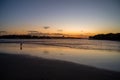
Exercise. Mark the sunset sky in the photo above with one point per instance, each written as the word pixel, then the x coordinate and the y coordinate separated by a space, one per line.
pixel 66 16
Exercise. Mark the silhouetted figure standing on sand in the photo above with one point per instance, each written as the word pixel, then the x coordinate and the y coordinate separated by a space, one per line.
pixel 21 43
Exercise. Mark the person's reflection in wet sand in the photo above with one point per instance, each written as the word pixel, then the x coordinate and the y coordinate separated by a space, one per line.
pixel 46 52
pixel 21 45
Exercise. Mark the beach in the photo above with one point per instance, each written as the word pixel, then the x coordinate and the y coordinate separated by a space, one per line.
pixel 25 67
pixel 60 40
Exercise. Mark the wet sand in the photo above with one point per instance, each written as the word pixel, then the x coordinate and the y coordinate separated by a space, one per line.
pixel 23 67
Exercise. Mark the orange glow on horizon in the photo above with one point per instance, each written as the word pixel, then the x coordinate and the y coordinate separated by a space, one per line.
pixel 66 31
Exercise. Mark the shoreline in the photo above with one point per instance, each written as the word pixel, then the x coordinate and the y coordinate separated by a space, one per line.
pixel 23 67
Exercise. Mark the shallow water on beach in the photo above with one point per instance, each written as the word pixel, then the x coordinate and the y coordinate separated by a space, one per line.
pixel 97 53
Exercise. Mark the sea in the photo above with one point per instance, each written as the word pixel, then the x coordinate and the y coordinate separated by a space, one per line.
pixel 102 54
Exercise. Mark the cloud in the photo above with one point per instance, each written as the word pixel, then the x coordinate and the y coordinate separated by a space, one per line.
pixel 46 27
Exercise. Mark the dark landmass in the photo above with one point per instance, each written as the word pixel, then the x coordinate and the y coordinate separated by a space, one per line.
pixel 23 37
pixel 21 67
pixel 109 36
pixel 34 37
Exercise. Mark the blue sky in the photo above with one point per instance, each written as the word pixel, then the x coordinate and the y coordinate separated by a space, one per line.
pixel 72 16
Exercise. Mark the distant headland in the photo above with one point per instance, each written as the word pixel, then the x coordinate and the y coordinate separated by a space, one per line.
pixel 35 37
pixel 109 36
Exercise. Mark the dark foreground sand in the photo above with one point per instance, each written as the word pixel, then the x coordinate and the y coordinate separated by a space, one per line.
pixel 21 67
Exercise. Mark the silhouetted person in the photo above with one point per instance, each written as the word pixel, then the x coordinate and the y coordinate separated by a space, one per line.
pixel 21 45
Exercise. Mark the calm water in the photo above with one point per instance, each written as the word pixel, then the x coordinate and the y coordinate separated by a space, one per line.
pixel 98 53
